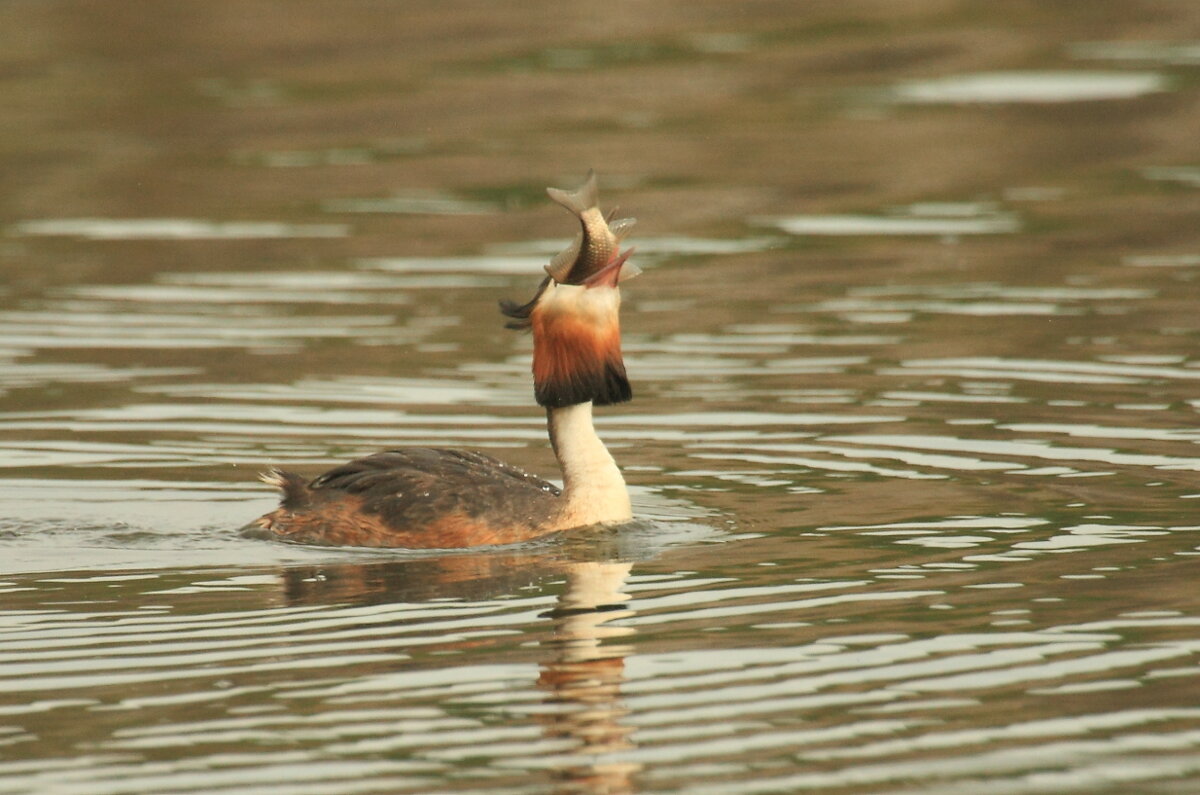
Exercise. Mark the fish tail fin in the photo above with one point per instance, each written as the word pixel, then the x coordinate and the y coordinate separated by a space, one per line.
pixel 583 198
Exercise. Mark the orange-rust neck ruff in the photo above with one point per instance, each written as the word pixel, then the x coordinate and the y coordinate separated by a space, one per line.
pixel 574 362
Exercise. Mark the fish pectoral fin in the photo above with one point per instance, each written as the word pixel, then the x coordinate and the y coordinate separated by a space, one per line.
pixel 621 227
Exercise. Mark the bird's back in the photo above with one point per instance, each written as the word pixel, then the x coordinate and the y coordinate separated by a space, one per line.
pixel 417 498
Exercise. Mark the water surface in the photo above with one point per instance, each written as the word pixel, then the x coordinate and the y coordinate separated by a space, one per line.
pixel 913 451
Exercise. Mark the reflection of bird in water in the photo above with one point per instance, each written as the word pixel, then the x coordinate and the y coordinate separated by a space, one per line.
pixel 584 677
pixel 440 498
pixel 474 577
pixel 582 667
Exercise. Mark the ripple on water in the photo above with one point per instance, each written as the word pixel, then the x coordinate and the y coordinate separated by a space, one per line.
pixel 350 390
pixel 491 263
pixel 1174 53
pixel 780 454
pixel 216 311
pixel 211 432
pixel 1163 260
pixel 1031 87
pixel 1003 538
pixel 915 221
pixel 273 287
pixel 1090 431
pixel 429 203
pixel 1064 372
pixel 520 684
pixel 1184 175
pixel 207 310
pixel 1025 449
pixel 172 229
pixel 21 374
pixel 123 326
pixel 290 287
pixel 975 299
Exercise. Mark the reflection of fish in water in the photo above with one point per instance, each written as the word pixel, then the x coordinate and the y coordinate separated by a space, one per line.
pixel 598 239
pixel 438 498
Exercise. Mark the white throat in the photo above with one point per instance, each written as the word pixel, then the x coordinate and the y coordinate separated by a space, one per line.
pixel 593 489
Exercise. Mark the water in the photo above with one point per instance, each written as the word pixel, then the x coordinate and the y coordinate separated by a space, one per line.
pixel 913 451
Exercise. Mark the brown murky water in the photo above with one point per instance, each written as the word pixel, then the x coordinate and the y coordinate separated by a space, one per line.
pixel 914 447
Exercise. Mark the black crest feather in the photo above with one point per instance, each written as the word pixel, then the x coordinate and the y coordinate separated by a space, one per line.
pixel 603 385
pixel 520 313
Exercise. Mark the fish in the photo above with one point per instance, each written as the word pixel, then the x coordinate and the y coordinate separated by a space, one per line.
pixel 599 240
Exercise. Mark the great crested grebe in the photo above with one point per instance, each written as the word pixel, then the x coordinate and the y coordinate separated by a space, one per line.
pixel 441 498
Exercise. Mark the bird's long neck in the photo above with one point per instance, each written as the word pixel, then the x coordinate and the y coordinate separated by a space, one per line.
pixel 593 489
